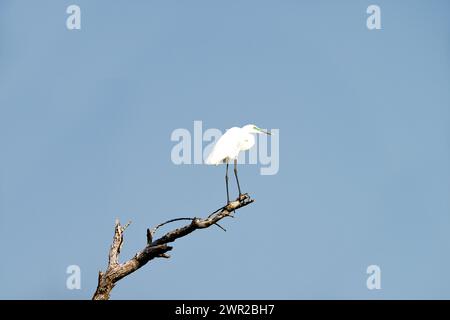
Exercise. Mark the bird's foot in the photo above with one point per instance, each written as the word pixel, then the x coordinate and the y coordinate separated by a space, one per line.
pixel 243 196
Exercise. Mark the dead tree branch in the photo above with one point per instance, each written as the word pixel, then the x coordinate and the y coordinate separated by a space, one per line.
pixel 155 248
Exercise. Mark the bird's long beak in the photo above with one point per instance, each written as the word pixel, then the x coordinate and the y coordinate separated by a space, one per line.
pixel 266 132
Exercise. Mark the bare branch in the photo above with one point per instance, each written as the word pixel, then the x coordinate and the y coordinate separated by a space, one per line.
pixel 149 237
pixel 220 227
pixel 155 248
pixel 169 221
pixel 116 245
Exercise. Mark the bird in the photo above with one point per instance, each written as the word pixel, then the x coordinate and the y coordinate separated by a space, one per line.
pixel 228 147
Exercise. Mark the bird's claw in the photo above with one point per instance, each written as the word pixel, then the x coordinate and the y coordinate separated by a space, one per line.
pixel 244 197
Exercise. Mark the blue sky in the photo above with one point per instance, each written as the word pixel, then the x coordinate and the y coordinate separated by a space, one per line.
pixel 86 118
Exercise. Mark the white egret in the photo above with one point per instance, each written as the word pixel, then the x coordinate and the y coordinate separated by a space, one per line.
pixel 228 147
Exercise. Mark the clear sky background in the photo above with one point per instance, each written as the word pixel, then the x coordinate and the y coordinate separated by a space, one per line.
pixel 364 118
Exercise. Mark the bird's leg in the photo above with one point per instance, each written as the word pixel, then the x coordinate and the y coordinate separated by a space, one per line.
pixel 226 184
pixel 237 179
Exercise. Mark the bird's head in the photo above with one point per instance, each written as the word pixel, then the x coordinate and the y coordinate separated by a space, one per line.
pixel 251 128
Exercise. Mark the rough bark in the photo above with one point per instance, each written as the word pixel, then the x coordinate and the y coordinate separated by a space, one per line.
pixel 155 248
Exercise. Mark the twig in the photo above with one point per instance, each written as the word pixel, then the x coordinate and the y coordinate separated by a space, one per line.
pixel 220 227
pixel 169 221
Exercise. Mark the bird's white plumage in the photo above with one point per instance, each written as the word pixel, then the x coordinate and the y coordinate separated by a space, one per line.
pixel 228 147
pixel 231 143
